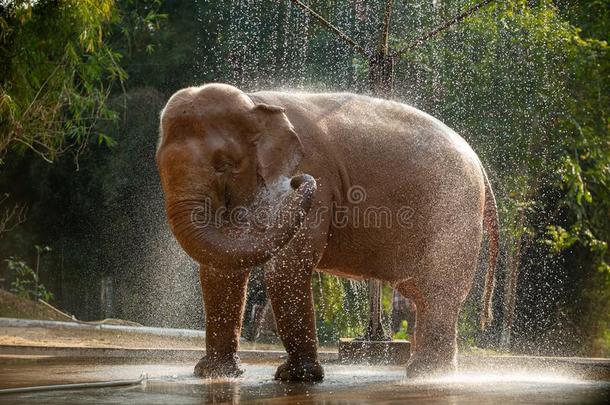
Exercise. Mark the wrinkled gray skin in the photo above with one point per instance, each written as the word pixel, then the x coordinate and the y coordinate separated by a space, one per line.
pixel 229 147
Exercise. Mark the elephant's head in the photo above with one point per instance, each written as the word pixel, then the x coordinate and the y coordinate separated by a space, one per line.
pixel 219 150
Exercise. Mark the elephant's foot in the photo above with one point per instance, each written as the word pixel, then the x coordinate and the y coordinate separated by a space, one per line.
pixel 426 367
pixel 218 366
pixel 301 370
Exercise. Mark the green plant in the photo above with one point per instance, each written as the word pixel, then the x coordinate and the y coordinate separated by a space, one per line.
pixel 26 283
pixel 59 68
pixel 402 332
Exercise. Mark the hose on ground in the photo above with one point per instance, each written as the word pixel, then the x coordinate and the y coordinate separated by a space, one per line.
pixel 98 384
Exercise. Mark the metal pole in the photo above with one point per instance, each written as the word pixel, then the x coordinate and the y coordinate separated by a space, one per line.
pixel 381 83
pixel 374 331
pixel 326 24
pixel 443 27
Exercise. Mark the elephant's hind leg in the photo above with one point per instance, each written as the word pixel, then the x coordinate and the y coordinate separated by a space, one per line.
pixel 224 297
pixel 434 349
pixel 439 289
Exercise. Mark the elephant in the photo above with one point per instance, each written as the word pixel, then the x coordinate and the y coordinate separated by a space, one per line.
pixel 351 185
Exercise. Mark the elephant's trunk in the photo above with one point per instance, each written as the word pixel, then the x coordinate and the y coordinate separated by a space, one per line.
pixel 236 247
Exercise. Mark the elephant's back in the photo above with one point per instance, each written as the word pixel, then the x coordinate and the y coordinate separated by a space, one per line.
pixel 381 130
pixel 377 137
pixel 391 131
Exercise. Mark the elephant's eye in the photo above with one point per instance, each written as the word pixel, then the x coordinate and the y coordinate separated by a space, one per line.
pixel 239 166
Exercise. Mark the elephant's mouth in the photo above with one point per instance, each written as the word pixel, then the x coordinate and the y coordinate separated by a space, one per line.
pixel 231 203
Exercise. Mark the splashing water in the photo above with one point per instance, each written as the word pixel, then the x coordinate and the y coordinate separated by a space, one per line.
pixel 459 77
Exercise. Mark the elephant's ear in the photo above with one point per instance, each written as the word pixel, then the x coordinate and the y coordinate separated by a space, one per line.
pixel 278 147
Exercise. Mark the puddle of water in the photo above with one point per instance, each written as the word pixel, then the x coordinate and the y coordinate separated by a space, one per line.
pixel 175 383
pixel 506 377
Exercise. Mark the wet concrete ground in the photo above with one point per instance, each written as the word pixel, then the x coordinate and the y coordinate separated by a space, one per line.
pixel 174 383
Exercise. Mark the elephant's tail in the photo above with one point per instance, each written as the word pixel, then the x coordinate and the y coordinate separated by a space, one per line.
pixel 491 223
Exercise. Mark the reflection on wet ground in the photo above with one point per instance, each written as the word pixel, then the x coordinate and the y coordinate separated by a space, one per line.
pixel 174 383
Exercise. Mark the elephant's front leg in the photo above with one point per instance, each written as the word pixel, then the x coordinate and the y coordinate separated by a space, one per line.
pixel 223 296
pixel 289 287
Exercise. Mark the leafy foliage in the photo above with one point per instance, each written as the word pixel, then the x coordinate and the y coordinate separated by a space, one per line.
pixel 402 332
pixel 26 283
pixel 341 307
pixel 58 70
pixel 56 73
